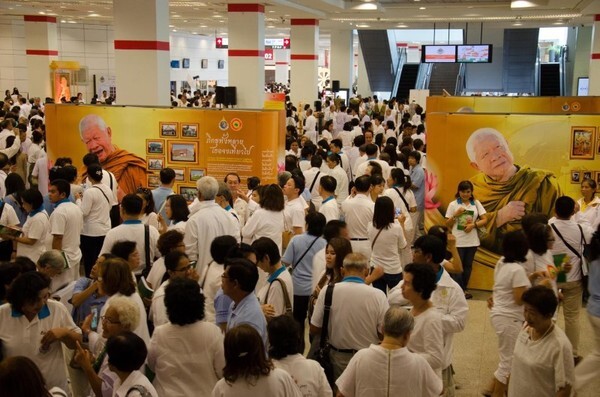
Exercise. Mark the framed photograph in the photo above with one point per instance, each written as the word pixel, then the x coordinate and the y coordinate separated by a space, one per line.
pixel 155 163
pixel 153 181
pixel 179 174
pixel 168 130
pixel 189 130
pixel 204 64
pixel 185 63
pixel 183 152
pixel 597 179
pixel 196 174
pixel 582 143
pixel 155 146
pixel 188 192
pixel 221 64
pixel 587 175
pixel 598 145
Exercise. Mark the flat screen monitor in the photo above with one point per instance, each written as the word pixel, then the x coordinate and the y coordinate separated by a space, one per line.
pixel 439 54
pixel 474 53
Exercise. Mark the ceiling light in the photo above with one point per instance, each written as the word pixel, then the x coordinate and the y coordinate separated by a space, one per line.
pixel 93 15
pixel 63 21
pixel 366 7
pixel 174 30
pixel 422 8
pixel 363 26
pixel 403 26
pixel 171 26
pixel 528 3
pixel 42 13
pixel 517 24
pixel 194 32
pixel 203 26
pixel 271 26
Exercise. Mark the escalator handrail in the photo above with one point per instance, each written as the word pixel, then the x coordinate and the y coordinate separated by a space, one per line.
pixel 402 58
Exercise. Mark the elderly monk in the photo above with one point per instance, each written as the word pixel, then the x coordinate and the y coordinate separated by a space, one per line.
pixel 129 169
pixel 507 191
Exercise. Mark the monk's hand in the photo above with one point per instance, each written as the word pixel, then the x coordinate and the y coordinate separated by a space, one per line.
pixel 512 211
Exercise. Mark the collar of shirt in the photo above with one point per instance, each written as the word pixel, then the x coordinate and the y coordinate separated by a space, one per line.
pixel 459 201
pixel 45 312
pixel 236 309
pixel 445 280
pixel 276 274
pixel 37 211
pixel 65 200
pixel 439 274
pixel 328 199
pixel 132 222
pixel 353 279
pixel 228 208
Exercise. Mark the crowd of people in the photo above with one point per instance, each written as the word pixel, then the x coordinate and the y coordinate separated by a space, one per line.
pixel 324 282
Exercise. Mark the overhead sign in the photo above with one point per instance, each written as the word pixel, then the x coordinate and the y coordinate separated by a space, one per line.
pixel 275 44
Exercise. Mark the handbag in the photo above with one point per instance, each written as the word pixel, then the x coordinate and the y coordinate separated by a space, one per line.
pixel 322 354
pixel 286 297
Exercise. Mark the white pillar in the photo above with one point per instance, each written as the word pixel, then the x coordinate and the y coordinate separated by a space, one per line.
pixel 342 57
pixel 594 72
pixel 282 63
pixel 142 52
pixel 304 74
pixel 41 43
pixel 247 53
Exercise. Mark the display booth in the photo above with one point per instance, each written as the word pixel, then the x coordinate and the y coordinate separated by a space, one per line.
pixel 64 80
pixel 553 142
pixel 135 143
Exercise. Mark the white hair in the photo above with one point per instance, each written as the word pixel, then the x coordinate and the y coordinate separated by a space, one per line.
pixel 480 135
pixel 355 261
pixel 397 321
pixel 53 259
pixel 207 187
pixel 89 121
pixel 128 311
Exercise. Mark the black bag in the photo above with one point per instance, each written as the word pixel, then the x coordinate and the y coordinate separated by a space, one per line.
pixel 322 354
pixel 115 214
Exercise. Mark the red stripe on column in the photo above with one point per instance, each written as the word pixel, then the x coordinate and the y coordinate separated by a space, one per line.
pixel 39 18
pixel 246 8
pixel 42 52
pixel 141 45
pixel 281 63
pixel 246 53
pixel 304 57
pixel 596 55
pixel 597 17
pixel 304 22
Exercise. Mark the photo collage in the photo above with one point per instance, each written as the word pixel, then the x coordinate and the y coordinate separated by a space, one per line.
pixel 585 145
pixel 178 148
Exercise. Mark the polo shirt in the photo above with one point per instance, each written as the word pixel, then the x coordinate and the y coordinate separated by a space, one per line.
pixel 248 311
pixel 302 271
pixel 159 195
pixel 67 220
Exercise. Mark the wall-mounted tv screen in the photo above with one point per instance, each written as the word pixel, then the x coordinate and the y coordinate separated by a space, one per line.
pixel 438 54
pixel 474 53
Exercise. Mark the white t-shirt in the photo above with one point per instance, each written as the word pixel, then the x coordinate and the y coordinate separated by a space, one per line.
pixel 133 232
pixel 387 249
pixel 427 339
pixel 375 370
pixel 67 220
pixel 187 360
pixel 157 273
pixel 275 292
pixel 277 384
pixel 264 223
pixel 508 276
pixel 158 310
pixel 136 378
pixel 40 171
pixel 36 227
pixel 308 375
pixel 293 214
pixel 341 178
pixel 464 239
pixel 210 283
pixel 331 210
pixel 95 206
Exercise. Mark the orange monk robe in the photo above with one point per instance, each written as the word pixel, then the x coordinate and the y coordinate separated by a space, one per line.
pixel 128 169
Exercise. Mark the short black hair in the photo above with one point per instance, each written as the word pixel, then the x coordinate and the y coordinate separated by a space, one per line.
pixel 244 272
pixel 184 301
pixel 328 183
pixel 542 298
pixel 564 206
pixel 316 161
pixel 384 212
pixel 433 246
pixel 299 182
pixel 3 160
pixel 26 288
pixel 69 173
pixel 90 158
pixel 62 186
pixel 315 223
pixel 167 175
pixel 371 149
pixel 362 183
pixel 172 259
pixel 284 337
pixel 416 155
pixel 333 228
pixel 515 247
pixel 33 197
pixel 126 351
pixel 253 182
pixel 132 204
pixel 531 219
pixel 424 278
pixel 334 157
pixel 265 246
pixel 337 143
pixel 8 272
pixel 179 208
pixel 220 246
pixel 359 140
pixel 122 249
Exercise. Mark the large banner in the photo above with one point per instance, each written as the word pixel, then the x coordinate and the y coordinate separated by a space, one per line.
pixel 135 143
pixel 518 162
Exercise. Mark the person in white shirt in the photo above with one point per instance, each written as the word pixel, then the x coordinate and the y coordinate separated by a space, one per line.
pixel 371 151
pixel 285 349
pixel 378 126
pixel 225 201
pixel 340 176
pixel 310 126
pixel 207 223
pixel 240 200
pixel 312 176
pixel 327 131
pixel 358 212
pixel 108 179
pixel 293 212
pixel 336 148
pixel 386 235
pixel 404 203
pixel 330 207
pixel 568 233
pixel 126 355
pixel 346 136
pixel 66 224
pixel 186 353
pixel 95 206
pixel 277 295
pixel 132 229
pixel 36 237
pixel 34 153
pixel 588 205
pixel 306 154
pixel 356 316
pixel 294 149
pixel 356 130
pixel 268 220
pixel 4 169
pixel 390 367
pixel 448 298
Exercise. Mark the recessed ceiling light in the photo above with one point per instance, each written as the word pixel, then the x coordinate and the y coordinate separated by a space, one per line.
pixel 63 21
pixel 185 20
pixel 171 26
pixel 42 13
pixel 174 30
pixel 517 24
pixel 271 26
pixel 93 15
pixel 202 26
pixel 422 8
pixel 194 32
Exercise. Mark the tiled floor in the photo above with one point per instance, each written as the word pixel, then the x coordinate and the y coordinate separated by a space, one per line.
pixel 476 353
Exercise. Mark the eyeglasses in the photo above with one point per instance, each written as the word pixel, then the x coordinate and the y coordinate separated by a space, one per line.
pixel 109 320
pixel 183 269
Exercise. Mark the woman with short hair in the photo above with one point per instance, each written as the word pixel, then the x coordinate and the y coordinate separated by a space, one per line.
pixel 267 221
pixel 149 217
pixel 177 212
pixel 186 353
pixel 171 240
pixel 248 371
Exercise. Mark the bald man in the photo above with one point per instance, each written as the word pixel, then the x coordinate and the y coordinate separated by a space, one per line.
pixel 129 169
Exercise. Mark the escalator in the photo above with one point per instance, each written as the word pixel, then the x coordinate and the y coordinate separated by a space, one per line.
pixel 408 80
pixel 550 79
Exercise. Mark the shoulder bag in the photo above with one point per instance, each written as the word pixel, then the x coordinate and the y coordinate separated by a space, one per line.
pixel 403 200
pixel 322 354
pixel 582 258
pixel 286 297
pixel 115 214
pixel 304 254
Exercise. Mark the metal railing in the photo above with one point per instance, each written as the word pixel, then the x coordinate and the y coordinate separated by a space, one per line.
pixel 402 57
pixel 460 80
pixel 424 76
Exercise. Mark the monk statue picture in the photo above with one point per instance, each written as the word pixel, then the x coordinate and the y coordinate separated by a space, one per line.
pixel 128 169
pixel 507 191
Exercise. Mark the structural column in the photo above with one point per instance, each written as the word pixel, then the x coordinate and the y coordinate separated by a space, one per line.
pixel 41 43
pixel 247 53
pixel 142 52
pixel 304 59
pixel 342 58
pixel 594 72
pixel 281 66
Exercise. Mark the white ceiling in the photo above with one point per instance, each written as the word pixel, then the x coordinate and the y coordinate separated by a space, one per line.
pixel 210 17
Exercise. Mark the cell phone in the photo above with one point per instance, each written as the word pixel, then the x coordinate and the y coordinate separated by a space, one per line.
pixel 398 212
pixel 193 264
pixel 94 325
